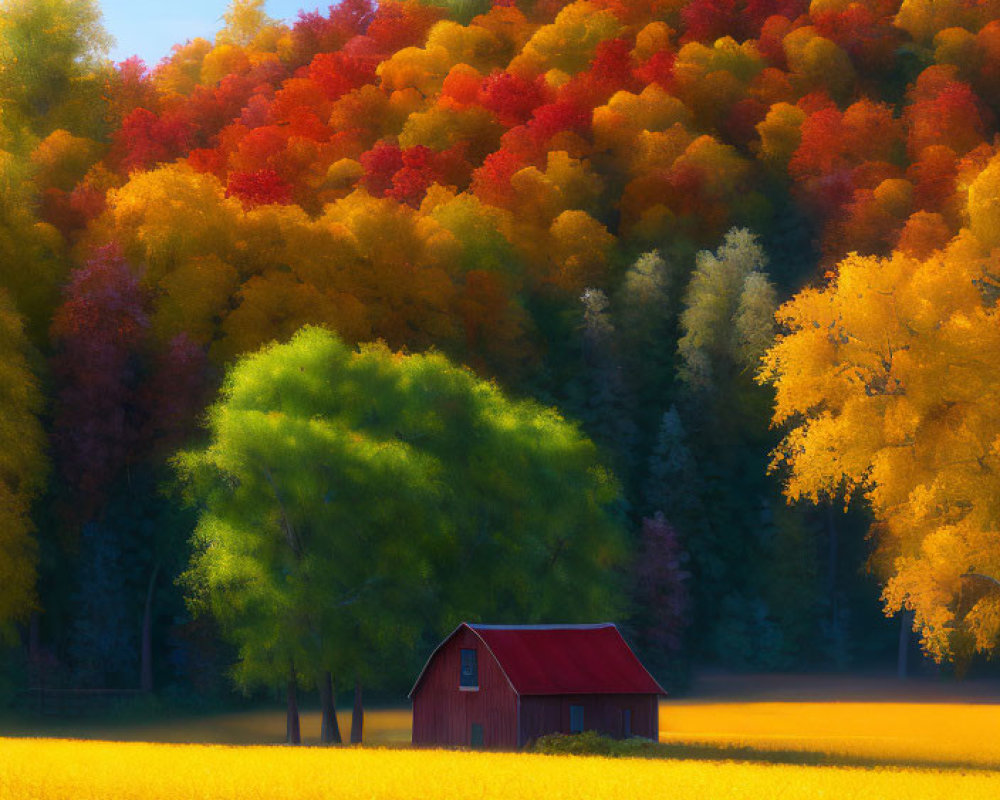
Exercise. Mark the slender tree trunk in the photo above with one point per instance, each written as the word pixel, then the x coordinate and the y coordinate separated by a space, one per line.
pixel 831 586
pixel 358 715
pixel 905 632
pixel 146 660
pixel 292 735
pixel 330 730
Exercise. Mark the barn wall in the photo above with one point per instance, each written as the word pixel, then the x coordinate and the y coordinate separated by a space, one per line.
pixel 602 713
pixel 443 715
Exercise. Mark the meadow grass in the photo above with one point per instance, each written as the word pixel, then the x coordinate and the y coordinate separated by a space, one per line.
pixel 711 748
pixel 906 734
pixel 939 734
pixel 40 769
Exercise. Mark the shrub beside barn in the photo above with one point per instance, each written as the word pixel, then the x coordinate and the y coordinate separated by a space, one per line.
pixel 501 686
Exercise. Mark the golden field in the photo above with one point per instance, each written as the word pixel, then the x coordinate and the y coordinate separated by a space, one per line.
pixel 945 732
pixel 40 769
pixel 933 734
pixel 757 737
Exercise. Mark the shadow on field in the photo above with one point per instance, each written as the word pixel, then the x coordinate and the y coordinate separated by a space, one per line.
pixel 709 752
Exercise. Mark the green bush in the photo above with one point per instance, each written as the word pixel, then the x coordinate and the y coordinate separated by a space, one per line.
pixel 594 744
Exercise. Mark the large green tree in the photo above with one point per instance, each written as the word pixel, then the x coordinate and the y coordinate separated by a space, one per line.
pixel 351 500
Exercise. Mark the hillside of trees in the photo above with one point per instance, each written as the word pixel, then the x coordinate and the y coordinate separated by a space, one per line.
pixel 597 205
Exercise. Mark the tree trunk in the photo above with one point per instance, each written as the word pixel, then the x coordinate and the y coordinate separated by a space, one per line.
pixel 292 735
pixel 146 660
pixel 905 631
pixel 836 631
pixel 358 715
pixel 329 730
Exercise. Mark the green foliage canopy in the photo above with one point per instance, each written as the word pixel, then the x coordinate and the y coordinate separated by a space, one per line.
pixel 351 499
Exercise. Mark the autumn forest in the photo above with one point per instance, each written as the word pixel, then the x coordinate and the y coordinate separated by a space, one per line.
pixel 323 336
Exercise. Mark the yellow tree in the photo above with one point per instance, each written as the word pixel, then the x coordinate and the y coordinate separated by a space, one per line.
pixel 22 468
pixel 889 382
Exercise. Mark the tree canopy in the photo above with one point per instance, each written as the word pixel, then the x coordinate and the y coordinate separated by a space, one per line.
pixel 887 379
pixel 347 497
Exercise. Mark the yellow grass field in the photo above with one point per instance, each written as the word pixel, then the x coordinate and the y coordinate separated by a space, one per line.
pixel 883 742
pixel 932 734
pixel 39 769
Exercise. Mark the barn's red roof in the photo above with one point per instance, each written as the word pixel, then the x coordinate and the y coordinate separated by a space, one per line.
pixel 563 659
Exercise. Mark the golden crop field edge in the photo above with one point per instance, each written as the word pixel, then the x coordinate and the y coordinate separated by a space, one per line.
pixel 45 769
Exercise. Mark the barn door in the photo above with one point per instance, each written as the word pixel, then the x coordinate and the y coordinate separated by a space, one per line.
pixel 626 723
pixel 476 735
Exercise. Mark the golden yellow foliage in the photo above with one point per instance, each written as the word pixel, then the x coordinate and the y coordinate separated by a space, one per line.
pixel 780 133
pixel 889 382
pixel 569 42
pixel 818 62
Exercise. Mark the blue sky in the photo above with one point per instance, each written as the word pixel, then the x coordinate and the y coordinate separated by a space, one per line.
pixel 149 28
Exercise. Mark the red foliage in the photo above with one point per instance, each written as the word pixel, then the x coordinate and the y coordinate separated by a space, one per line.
pixel 868 37
pixel 611 70
pixel 708 20
pixel 129 88
pixel 97 332
pixel 659 69
pixel 512 98
pixel 208 160
pixel 944 111
pixel 834 140
pixel 145 139
pixel 396 24
pixel 772 34
pixel 740 126
pixel 410 183
pixel 336 74
pixel 258 188
pixel 209 110
pixel 313 33
pixel 491 182
pixel 257 149
pixel 531 141
pixel 381 164
pixel 300 99
pixel 460 89
pixel 933 178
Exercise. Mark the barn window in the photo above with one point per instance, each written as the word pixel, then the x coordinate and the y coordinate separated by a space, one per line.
pixel 626 722
pixel 469 679
pixel 576 719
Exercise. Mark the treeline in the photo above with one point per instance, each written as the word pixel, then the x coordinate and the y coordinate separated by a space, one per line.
pixel 598 204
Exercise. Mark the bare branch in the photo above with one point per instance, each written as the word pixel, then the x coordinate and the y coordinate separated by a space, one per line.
pixel 293 540
pixel 981 576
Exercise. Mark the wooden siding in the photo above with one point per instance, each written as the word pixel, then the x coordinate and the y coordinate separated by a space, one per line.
pixel 601 712
pixel 443 714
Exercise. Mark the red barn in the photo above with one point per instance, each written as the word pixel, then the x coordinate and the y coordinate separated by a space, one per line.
pixel 500 686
